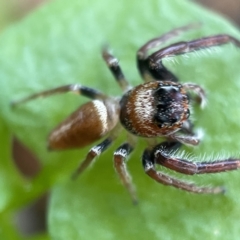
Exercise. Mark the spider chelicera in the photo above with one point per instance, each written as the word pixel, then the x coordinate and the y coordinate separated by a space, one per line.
pixel 159 107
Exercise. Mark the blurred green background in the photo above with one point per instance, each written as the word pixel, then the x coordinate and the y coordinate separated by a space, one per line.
pixel 30 218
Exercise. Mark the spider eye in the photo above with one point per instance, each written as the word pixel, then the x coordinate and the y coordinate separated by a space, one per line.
pixel 166 118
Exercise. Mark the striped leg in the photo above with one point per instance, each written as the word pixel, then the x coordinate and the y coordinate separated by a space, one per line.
pixel 120 157
pixel 115 68
pixel 92 154
pixel 75 88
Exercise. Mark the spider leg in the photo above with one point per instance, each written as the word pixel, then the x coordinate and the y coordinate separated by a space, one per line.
pixel 148 164
pixel 92 154
pixel 155 64
pixel 115 68
pixel 142 53
pixel 162 155
pixel 120 156
pixel 75 88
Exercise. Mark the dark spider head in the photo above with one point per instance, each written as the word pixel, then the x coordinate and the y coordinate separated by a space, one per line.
pixel 154 108
pixel 170 103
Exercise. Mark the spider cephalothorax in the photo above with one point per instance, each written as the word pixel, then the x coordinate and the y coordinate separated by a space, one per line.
pixel 154 109
pixel 157 108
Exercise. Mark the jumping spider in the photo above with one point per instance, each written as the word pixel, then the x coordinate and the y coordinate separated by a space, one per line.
pixel 159 107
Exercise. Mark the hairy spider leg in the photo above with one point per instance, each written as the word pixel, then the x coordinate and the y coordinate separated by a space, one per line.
pixel 120 158
pixel 75 88
pixel 154 61
pixel 148 162
pixel 113 64
pixel 142 54
pixel 162 155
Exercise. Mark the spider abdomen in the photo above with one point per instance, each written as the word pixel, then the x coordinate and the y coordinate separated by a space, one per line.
pixel 154 108
pixel 86 125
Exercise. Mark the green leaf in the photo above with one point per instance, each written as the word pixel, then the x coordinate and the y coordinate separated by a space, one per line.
pixel 61 44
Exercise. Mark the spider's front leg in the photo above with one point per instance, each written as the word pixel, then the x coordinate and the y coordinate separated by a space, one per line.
pixel 156 67
pixel 149 161
pixel 163 155
pixel 142 54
